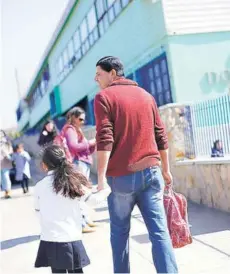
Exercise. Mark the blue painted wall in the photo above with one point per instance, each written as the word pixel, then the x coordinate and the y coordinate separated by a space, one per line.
pixel 192 57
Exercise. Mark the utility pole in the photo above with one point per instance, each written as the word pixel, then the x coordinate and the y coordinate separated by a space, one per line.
pixel 17 84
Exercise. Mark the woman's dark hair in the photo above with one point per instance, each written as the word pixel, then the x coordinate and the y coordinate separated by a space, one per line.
pixel 108 63
pixel 67 180
pixel 75 111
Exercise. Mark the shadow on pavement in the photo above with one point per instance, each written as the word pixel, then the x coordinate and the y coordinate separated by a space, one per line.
pixel 107 220
pixel 18 241
pixel 100 209
pixel 206 220
pixel 203 220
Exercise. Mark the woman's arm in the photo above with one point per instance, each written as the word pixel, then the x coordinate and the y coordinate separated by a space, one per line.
pixel 73 142
pixel 92 145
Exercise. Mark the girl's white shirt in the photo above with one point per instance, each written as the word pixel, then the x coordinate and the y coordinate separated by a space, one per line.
pixel 60 217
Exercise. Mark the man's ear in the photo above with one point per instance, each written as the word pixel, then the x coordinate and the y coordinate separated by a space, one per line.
pixel 114 73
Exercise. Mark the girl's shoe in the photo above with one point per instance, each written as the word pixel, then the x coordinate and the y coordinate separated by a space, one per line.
pixel 92 224
pixel 87 229
pixel 7 195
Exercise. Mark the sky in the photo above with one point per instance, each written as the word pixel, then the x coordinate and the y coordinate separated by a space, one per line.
pixel 26 28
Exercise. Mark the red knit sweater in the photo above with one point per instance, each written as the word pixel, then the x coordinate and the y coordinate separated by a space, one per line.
pixel 129 125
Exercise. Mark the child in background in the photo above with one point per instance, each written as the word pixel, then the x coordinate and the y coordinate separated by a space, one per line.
pixel 21 159
pixel 57 199
pixel 217 149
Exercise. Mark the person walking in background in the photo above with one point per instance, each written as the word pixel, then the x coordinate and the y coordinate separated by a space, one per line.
pixel 217 149
pixel 21 159
pixel 48 133
pixel 57 199
pixel 5 153
pixel 81 150
pixel 131 141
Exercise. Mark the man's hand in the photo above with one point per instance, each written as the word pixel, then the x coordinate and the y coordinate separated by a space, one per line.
pixel 102 183
pixel 167 177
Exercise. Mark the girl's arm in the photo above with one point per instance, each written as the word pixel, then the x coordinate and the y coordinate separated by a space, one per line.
pixel 36 199
pixel 96 198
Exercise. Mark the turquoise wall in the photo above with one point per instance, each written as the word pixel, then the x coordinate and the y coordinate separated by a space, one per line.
pixel 40 110
pixel 24 120
pixel 192 57
pixel 133 40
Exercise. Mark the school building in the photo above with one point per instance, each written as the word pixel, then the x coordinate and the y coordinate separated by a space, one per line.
pixel 179 51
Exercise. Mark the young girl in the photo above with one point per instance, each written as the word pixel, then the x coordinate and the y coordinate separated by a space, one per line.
pixel 57 199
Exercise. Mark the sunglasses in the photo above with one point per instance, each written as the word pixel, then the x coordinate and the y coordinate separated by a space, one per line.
pixel 81 119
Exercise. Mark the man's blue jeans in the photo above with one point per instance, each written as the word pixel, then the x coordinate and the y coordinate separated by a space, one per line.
pixel 144 189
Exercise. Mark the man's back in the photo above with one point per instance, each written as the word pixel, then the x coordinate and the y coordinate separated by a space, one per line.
pixel 128 125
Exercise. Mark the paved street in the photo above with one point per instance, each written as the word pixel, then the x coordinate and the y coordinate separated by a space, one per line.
pixel 209 253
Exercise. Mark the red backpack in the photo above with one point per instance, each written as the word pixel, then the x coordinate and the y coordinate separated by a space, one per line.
pixel 177 217
pixel 60 140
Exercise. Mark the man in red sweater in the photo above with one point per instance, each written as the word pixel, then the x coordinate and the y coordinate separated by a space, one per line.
pixel 131 145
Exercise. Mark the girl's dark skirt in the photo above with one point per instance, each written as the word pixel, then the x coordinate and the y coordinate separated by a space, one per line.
pixel 70 255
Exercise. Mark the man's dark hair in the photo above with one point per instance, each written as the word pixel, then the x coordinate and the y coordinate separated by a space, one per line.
pixel 108 63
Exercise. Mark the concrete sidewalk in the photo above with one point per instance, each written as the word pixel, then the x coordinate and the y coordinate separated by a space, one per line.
pixel 209 253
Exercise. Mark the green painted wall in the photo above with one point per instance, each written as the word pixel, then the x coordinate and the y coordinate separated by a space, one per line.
pixel 130 40
pixel 192 57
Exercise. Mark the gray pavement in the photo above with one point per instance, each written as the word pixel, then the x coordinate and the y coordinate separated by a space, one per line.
pixel 209 252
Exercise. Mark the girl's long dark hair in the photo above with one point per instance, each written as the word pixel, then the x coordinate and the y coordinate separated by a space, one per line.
pixel 67 180
pixel 54 131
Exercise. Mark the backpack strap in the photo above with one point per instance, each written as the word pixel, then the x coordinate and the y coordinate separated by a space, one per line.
pixel 64 129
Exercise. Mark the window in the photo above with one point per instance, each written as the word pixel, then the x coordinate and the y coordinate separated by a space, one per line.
pixel 77 45
pixel 71 53
pixel 124 3
pixel 111 14
pixel 92 26
pixel 53 108
pixel 111 2
pixel 43 87
pixel 71 49
pixel 101 8
pixel 154 78
pixel 46 74
pixel 66 61
pixel 84 35
pixel 60 65
pixel 152 88
pixel 76 39
pixel 91 19
pixel 114 9
pixel 83 29
pixel 117 7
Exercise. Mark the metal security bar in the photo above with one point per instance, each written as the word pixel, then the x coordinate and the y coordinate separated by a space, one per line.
pixel 210 121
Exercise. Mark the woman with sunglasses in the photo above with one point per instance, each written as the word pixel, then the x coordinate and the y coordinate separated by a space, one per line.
pixel 81 150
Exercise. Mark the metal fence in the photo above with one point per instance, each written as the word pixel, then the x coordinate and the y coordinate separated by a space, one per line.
pixel 208 121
